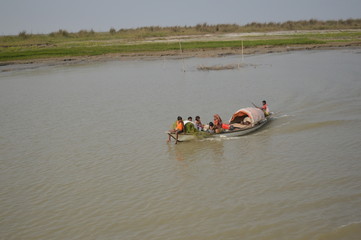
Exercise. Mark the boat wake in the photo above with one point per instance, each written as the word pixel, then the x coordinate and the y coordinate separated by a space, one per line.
pixel 223 138
pixel 283 116
pixel 350 231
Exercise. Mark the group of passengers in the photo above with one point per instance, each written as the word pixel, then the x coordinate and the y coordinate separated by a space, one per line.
pixel 180 126
pixel 217 126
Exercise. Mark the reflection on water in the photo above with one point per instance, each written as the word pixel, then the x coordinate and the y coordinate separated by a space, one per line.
pixel 210 149
pixel 84 154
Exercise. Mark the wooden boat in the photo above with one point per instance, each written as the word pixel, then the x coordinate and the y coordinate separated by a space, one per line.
pixel 242 122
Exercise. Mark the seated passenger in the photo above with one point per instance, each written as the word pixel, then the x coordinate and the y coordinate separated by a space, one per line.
pixel 246 121
pixel 179 128
pixel 199 124
pixel 190 126
pixel 217 123
pixel 210 127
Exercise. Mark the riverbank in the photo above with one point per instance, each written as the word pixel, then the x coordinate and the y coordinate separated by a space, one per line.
pixel 208 45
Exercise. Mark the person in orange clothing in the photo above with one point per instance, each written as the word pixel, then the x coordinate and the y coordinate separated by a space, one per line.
pixel 178 129
pixel 265 108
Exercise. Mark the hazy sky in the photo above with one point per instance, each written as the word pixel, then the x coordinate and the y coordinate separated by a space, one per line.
pixel 45 16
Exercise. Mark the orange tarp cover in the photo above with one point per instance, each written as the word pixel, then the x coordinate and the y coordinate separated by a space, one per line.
pixel 254 114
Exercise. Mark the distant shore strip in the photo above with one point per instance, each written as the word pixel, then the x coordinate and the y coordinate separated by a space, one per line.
pixel 209 45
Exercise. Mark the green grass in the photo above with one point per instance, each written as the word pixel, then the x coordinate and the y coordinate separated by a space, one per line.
pixel 336 35
pixel 28 46
pixel 96 48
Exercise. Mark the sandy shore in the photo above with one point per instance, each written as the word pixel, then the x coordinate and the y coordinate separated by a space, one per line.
pixel 35 63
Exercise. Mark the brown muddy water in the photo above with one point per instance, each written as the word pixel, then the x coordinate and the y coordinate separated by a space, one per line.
pixel 84 153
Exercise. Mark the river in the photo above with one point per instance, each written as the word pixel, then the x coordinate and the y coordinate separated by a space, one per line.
pixel 83 152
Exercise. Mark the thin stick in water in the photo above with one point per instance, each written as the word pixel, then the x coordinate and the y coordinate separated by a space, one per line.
pixel 180 48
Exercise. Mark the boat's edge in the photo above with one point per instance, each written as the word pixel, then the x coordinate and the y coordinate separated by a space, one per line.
pixel 183 137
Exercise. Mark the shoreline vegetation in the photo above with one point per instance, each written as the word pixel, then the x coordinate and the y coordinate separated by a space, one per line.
pixel 202 40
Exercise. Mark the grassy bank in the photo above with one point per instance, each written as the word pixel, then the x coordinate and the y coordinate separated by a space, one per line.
pixel 21 53
pixel 156 39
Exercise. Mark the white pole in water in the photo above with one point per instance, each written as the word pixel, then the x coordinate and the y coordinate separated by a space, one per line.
pixel 180 47
pixel 242 50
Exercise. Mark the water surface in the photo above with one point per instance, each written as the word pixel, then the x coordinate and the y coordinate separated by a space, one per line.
pixel 83 154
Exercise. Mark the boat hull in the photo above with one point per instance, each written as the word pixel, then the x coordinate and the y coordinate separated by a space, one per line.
pixel 183 137
pixel 241 132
